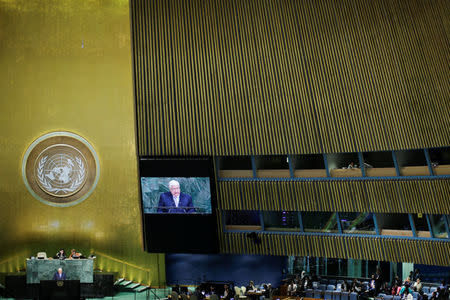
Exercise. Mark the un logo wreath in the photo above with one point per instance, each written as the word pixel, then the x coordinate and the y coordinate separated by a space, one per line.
pixel 60 169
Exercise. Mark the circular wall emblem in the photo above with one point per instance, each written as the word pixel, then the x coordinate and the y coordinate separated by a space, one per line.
pixel 60 169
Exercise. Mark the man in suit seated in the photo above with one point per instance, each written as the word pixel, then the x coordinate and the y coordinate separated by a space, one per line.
pixel 251 287
pixel 59 275
pixel 175 201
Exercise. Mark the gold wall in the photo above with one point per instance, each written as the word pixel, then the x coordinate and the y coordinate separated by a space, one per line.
pixel 291 76
pixel 67 66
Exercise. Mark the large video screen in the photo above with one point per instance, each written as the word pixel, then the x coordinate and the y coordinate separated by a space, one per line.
pixel 176 195
pixel 178 201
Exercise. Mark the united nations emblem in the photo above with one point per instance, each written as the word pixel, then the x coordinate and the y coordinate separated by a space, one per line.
pixel 60 169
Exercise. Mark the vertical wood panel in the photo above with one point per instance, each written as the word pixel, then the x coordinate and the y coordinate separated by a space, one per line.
pixel 384 249
pixel 381 196
pixel 286 77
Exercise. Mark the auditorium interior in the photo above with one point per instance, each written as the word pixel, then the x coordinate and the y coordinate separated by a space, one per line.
pixel 225 149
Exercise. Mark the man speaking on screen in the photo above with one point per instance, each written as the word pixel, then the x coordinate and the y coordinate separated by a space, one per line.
pixel 175 201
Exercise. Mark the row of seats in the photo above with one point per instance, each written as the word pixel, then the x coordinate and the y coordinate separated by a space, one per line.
pixel 329 292
pixel 332 287
pixel 336 295
pixel 426 285
pixel 429 289
pixel 414 294
pixel 330 295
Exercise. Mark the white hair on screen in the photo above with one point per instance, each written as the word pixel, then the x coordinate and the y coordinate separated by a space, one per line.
pixel 173 183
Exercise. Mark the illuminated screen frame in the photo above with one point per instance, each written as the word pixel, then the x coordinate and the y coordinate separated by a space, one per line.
pixel 179 232
pixel 194 195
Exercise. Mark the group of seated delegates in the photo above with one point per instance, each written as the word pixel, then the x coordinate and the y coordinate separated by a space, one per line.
pixel 364 292
pixel 198 293
pixel 352 165
pixel 299 285
pixel 406 288
pixel 399 288
pixel 73 254
pixel 252 292
pixel 375 286
pixel 442 292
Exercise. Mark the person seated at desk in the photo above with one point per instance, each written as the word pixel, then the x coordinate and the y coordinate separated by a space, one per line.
pixel 370 292
pixel 250 290
pixel 352 165
pixel 306 283
pixel 344 286
pixel 422 296
pixel 227 293
pixel 292 289
pixel 405 290
pixel 397 281
pixel 61 254
pixel 356 286
pixel 199 293
pixel 417 287
pixel 74 254
pixel 302 276
pixel 59 275
pixel 395 289
pixel 251 287
pixel 212 291
pixel 407 295
pixel 267 291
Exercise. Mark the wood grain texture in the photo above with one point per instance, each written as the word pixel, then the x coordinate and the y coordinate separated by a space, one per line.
pixel 381 196
pixel 367 248
pixel 290 77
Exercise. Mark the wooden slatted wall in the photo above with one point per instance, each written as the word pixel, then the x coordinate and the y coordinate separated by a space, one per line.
pixel 374 248
pixel 290 76
pixel 383 196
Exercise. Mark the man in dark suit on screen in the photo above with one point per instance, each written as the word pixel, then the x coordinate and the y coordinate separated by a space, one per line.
pixel 175 201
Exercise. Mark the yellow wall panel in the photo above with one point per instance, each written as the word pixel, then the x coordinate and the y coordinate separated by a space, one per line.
pixel 67 66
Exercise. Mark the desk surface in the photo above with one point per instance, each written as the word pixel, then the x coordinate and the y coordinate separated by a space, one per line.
pixel 75 269
pixel 258 293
